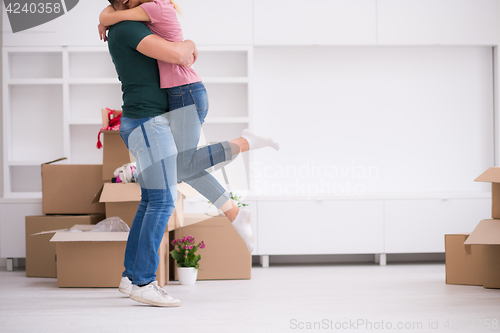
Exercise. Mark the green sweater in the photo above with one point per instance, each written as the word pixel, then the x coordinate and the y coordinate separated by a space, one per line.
pixel 139 75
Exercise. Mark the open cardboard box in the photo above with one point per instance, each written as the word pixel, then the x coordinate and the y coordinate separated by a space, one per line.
pixel 487 234
pixel 95 259
pixel 492 175
pixel 40 252
pixel 464 263
pixel 70 188
pixel 225 255
pixel 122 199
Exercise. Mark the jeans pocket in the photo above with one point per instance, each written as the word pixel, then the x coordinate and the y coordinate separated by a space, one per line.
pixel 174 92
pixel 200 98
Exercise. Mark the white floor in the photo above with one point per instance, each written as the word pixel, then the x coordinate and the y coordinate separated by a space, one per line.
pixel 276 299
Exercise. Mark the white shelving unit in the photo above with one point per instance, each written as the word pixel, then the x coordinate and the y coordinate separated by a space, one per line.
pixel 53 97
pixel 48 113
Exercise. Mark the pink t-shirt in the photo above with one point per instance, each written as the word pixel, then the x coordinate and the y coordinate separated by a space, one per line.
pixel 164 23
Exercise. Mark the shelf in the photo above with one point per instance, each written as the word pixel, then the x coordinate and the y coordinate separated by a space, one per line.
pixel 227 120
pixel 96 121
pixel 23 197
pixel 13 82
pixel 26 163
pixel 94 81
pixel 226 80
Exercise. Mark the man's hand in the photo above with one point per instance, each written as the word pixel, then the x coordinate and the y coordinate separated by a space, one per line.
pixel 195 54
pixel 191 59
pixel 102 32
pixel 188 62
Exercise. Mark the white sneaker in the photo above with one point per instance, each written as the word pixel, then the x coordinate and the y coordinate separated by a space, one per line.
pixel 125 286
pixel 153 294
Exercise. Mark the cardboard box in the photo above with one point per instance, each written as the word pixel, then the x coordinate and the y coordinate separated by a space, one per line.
pixel 225 255
pixel 95 259
pixel 70 188
pixel 115 154
pixel 487 234
pixel 40 252
pixel 122 199
pixel 492 175
pixel 464 263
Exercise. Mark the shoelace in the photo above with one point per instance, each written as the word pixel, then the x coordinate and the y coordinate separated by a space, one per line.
pixel 162 291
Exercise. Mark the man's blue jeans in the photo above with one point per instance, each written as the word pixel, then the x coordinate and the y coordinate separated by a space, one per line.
pixel 151 142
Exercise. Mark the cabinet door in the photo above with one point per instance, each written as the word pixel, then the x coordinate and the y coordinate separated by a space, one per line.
pixel 77 27
pixel 441 22
pixel 315 22
pixel 12 228
pixel 419 226
pixel 217 22
pixel 320 227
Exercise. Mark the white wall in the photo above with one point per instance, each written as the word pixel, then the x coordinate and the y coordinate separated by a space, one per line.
pixel 365 120
pixel 2 261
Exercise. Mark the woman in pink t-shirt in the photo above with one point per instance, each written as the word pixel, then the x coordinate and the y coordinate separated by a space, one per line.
pixel 188 107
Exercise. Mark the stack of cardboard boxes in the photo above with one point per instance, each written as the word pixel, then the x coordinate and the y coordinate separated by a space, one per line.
pixel 67 193
pixel 474 259
pixel 82 259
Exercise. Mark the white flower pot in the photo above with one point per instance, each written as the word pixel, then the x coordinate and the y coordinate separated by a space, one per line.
pixel 187 275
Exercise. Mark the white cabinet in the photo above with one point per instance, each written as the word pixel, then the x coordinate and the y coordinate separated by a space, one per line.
pixel 437 22
pixel 417 226
pixel 217 22
pixel 12 226
pixel 76 27
pixel 315 22
pixel 320 227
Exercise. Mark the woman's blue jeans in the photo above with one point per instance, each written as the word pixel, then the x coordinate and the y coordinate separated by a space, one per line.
pixel 188 105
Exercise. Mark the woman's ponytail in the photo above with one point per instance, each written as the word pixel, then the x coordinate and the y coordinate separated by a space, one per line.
pixel 176 7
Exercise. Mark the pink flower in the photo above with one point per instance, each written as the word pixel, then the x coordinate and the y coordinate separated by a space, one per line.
pixel 191 247
pixel 186 247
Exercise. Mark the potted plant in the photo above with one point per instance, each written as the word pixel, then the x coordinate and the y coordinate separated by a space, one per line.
pixel 187 259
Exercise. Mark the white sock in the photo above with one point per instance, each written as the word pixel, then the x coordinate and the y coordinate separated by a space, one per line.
pixel 243 225
pixel 256 141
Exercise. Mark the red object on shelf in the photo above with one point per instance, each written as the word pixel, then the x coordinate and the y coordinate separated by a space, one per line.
pixel 110 123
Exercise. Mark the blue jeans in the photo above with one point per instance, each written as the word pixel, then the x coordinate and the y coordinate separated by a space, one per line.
pixel 151 142
pixel 188 106
pixel 155 142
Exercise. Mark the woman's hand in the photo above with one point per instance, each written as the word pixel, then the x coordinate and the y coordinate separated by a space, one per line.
pixel 102 32
pixel 132 3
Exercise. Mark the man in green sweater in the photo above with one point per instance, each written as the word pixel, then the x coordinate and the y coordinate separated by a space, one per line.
pixel 134 51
